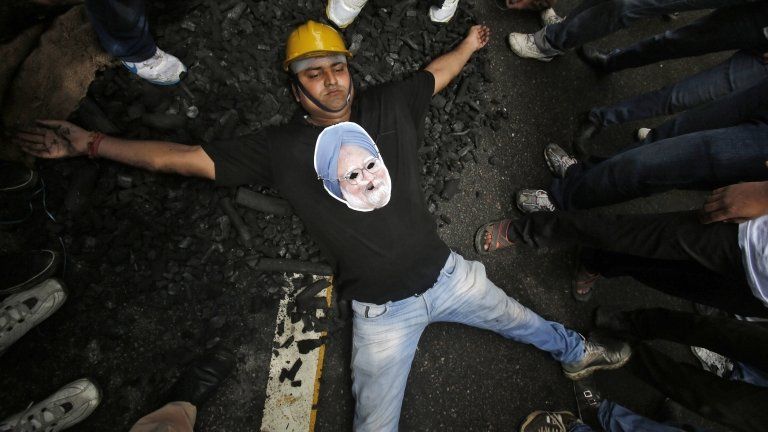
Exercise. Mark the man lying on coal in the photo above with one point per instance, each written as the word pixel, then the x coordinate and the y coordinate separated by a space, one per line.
pixel 348 164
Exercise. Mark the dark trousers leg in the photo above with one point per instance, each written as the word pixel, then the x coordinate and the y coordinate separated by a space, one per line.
pixel 739 340
pixel 732 403
pixel 594 19
pixel 728 111
pixel 700 160
pixel 669 236
pixel 122 28
pixel 684 279
pixel 737 27
pixel 742 70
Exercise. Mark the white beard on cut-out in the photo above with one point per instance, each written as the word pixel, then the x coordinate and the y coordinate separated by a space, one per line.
pixel 373 199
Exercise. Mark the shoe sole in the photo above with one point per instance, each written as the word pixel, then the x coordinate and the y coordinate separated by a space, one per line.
pixel 182 75
pixel 575 376
pixel 443 21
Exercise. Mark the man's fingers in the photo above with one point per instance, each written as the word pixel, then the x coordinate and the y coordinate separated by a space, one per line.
pixel 31 137
pixel 50 124
pixel 714 216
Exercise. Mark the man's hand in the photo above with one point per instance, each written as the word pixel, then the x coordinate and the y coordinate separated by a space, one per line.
pixel 736 203
pixel 477 37
pixel 53 139
pixel 537 5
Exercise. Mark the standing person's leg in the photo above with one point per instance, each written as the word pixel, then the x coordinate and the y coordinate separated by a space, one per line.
pixel 730 110
pixel 733 403
pixel 669 236
pixel 728 291
pixel 742 70
pixel 739 340
pixel 737 27
pixel 122 28
pixel 593 20
pixel 173 417
pixel 384 340
pixel 701 160
pixel 464 294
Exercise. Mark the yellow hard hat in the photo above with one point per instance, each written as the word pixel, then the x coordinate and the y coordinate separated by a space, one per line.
pixel 313 39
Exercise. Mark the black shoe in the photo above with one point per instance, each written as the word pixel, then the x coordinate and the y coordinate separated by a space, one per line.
pixel 586 130
pixel 27 269
pixel 203 377
pixel 16 177
pixel 588 400
pixel 595 58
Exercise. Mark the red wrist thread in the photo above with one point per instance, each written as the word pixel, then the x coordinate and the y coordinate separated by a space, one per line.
pixel 93 144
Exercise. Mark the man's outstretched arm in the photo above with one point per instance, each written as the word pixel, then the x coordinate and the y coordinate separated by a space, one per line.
pixel 57 139
pixel 446 67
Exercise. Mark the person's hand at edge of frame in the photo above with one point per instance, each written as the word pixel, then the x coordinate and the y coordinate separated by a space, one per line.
pixel 51 139
pixel 736 203
pixel 477 37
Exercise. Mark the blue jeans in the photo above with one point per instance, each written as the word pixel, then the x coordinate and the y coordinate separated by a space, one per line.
pixel 385 336
pixel 122 28
pixel 727 28
pixel 742 70
pixel 616 418
pixel 700 160
pixel 594 19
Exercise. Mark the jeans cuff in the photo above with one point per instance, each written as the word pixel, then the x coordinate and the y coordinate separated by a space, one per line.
pixel 540 39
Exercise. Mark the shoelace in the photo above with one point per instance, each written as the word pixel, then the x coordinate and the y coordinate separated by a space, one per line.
pixel 13 315
pixel 38 422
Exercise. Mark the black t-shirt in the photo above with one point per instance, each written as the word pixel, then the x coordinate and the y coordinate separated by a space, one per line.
pixel 386 254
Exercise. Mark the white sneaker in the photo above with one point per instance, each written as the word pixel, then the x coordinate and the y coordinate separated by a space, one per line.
pixel 161 69
pixel 524 46
pixel 445 13
pixel 20 312
pixel 549 16
pixel 70 405
pixel 642 133
pixel 343 12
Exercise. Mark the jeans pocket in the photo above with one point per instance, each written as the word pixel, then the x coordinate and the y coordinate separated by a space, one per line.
pixel 369 310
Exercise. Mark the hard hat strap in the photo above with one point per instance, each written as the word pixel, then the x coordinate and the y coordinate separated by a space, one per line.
pixel 319 104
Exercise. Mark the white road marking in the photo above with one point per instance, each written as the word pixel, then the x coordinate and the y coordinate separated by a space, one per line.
pixel 289 405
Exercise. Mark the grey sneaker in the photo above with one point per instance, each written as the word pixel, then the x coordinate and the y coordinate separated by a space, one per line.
pixel 548 421
pixel 600 353
pixel 70 405
pixel 20 312
pixel 558 160
pixel 549 17
pixel 524 46
pixel 713 362
pixel 533 200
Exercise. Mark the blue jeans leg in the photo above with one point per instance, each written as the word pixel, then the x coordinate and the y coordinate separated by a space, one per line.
pixel 465 295
pixel 122 28
pixel 727 28
pixel 594 19
pixel 742 70
pixel 700 160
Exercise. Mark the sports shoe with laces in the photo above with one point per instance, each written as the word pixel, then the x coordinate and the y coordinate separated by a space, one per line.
pixel 161 69
pixel 549 421
pixel 20 312
pixel 343 12
pixel 444 13
pixel 600 353
pixel 533 200
pixel 549 17
pixel 524 46
pixel 67 407
pixel 27 269
pixel 16 177
pixel 642 133
pixel 558 160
